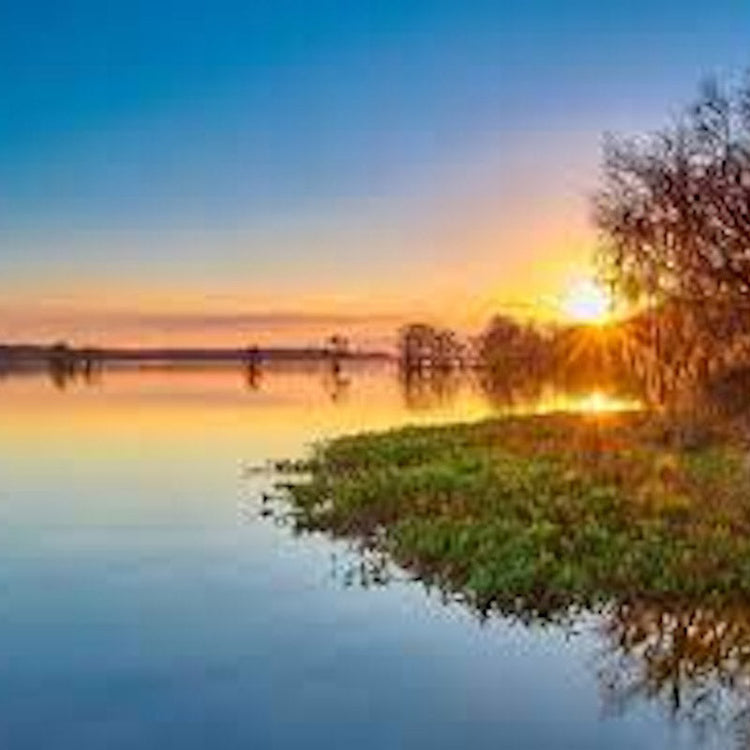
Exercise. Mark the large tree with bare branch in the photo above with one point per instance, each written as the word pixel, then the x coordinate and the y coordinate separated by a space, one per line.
pixel 674 207
pixel 674 215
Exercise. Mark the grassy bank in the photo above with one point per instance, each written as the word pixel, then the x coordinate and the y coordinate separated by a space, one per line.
pixel 540 513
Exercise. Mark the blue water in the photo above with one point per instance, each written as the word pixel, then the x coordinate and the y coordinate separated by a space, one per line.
pixel 144 603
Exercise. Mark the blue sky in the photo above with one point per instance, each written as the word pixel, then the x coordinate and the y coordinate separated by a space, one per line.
pixel 296 153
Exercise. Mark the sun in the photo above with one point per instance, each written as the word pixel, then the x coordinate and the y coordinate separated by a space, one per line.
pixel 587 302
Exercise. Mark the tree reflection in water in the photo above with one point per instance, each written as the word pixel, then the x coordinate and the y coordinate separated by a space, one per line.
pixel 690 659
pixel 425 390
pixel 693 661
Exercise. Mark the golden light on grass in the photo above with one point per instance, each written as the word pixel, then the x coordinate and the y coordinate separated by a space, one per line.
pixel 587 302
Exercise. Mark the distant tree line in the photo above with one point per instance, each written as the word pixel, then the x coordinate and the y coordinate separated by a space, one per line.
pixel 517 360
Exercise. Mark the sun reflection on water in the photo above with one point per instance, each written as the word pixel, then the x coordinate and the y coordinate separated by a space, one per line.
pixel 594 402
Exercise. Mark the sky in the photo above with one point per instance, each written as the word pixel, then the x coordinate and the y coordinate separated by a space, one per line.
pixel 188 172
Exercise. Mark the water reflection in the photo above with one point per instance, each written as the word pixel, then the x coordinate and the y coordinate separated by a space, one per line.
pixel 61 369
pixel 694 661
pixel 420 391
pixel 253 369
pixel 144 464
pixel 690 660
pixel 64 372
pixel 424 390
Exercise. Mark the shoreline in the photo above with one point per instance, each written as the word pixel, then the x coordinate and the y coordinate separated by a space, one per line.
pixel 32 353
pixel 539 513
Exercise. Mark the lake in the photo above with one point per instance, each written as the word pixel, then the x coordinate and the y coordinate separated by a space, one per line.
pixel 147 602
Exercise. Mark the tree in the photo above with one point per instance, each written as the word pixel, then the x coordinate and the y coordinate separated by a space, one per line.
pixel 425 347
pixel 338 345
pixel 674 216
pixel 674 208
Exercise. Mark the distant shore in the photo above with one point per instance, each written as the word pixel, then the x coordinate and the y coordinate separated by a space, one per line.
pixel 33 353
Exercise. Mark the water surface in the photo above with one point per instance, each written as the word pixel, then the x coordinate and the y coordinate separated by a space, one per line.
pixel 144 601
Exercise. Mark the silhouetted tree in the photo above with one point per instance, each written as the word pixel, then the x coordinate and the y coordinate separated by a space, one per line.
pixel 424 347
pixel 674 215
pixel 338 345
pixel 674 208
pixel 337 348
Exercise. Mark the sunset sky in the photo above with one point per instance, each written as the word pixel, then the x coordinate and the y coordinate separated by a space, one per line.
pixel 187 172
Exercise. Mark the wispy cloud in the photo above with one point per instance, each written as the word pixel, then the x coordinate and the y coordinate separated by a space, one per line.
pixel 197 328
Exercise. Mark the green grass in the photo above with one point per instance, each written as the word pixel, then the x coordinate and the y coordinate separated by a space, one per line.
pixel 540 513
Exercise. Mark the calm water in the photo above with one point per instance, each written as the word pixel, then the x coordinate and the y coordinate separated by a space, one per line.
pixel 144 603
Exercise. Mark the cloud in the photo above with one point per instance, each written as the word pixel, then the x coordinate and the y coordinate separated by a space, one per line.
pixel 123 327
